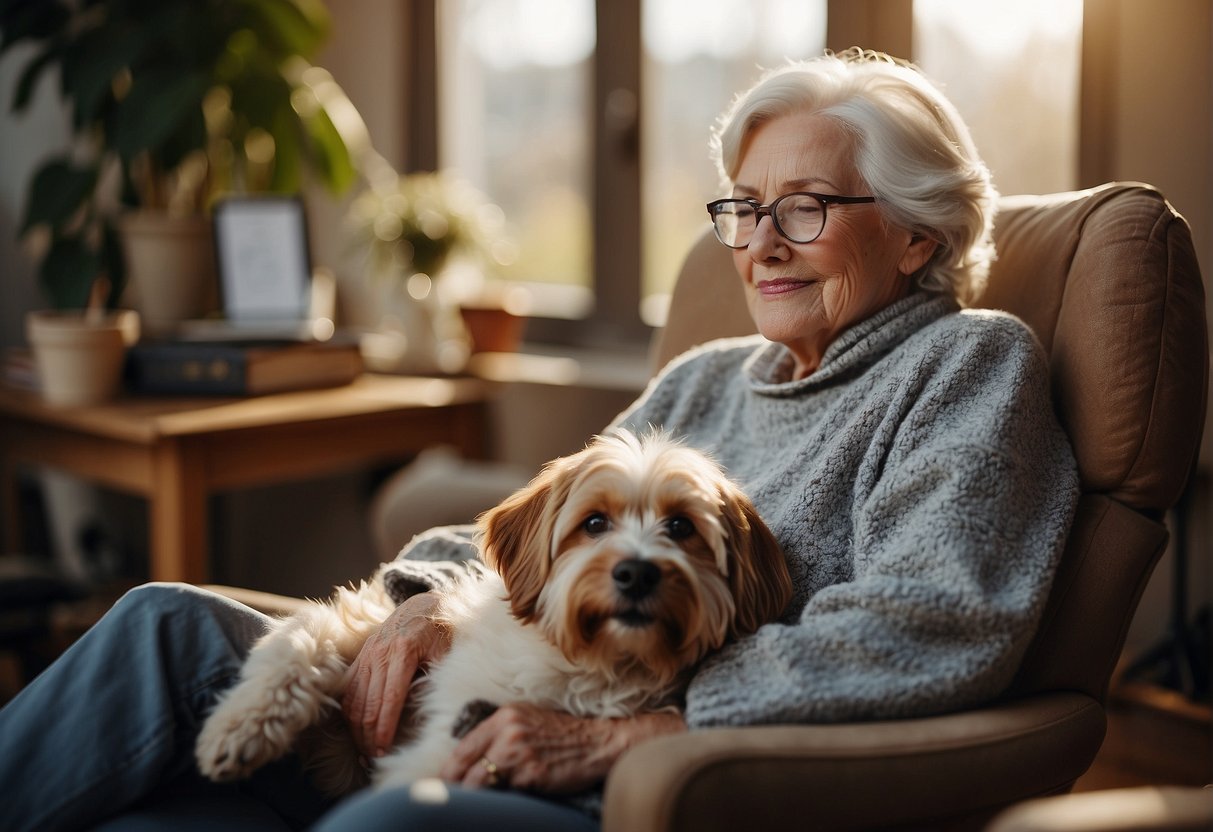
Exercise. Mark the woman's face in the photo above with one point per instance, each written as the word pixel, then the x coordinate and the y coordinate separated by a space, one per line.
pixel 804 294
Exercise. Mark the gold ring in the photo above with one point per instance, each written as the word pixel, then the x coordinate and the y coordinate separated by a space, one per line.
pixel 491 768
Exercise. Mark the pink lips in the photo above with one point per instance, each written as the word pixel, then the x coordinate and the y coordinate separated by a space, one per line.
pixel 781 285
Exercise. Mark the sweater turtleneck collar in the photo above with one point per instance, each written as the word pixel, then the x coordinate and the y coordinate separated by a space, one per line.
pixel 770 367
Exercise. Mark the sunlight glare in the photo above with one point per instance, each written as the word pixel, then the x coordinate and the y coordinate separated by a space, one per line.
pixel 679 30
pixel 539 32
pixel 999 29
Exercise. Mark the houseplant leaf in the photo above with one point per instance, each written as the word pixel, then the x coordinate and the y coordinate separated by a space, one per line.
pixel 32 72
pixel 113 263
pixel 287 27
pixel 67 273
pixel 329 153
pixel 57 192
pixel 153 109
pixel 21 20
pixel 91 65
pixel 287 176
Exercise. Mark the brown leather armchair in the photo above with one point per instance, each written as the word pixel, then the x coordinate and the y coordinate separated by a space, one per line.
pixel 1108 279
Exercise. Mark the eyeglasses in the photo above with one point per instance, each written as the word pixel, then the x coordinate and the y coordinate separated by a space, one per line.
pixel 799 217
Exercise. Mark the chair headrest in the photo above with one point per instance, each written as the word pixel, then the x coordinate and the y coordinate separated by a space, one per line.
pixel 1108 280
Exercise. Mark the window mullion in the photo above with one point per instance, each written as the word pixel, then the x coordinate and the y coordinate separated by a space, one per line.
pixel 616 172
pixel 421 82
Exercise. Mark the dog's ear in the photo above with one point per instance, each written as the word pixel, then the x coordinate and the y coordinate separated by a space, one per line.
pixel 517 538
pixel 758 572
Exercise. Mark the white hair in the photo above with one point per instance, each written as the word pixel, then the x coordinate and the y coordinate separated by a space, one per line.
pixel 911 148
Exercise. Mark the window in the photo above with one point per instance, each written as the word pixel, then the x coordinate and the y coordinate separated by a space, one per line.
pixel 526 115
pixel 698 54
pixel 1012 69
pixel 517 119
pixel 514 110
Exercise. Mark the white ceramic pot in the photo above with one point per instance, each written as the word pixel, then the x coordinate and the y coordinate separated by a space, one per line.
pixel 421 335
pixel 170 267
pixel 79 357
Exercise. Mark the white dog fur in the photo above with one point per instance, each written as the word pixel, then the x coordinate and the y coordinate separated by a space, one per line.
pixel 617 569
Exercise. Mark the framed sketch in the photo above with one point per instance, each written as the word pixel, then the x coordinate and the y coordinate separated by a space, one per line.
pixel 264 264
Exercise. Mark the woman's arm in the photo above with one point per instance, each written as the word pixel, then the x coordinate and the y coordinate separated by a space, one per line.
pixel 435 559
pixel 382 673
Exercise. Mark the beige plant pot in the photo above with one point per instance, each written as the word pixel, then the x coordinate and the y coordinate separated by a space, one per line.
pixel 80 358
pixel 170 265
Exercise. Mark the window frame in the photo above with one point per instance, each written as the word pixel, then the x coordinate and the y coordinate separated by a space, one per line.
pixel 612 305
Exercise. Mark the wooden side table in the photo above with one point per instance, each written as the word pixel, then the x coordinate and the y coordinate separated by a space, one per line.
pixel 176 452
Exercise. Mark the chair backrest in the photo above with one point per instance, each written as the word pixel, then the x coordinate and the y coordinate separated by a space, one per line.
pixel 1108 280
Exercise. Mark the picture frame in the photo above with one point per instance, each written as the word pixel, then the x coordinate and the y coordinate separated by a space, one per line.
pixel 263 258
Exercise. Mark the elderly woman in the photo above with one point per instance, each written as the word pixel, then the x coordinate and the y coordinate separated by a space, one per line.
pixel 903 450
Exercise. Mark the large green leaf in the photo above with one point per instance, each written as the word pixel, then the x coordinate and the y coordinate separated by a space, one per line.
pixel 287 177
pixel 330 154
pixel 68 272
pixel 190 36
pixel 259 93
pixel 90 66
pixel 33 70
pixel 113 263
pixel 56 193
pixel 189 136
pixel 155 107
pixel 286 27
pixel 31 19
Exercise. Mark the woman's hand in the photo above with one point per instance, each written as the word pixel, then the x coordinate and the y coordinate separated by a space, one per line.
pixel 380 677
pixel 540 750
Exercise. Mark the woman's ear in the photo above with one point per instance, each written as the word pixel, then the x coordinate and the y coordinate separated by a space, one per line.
pixel 917 253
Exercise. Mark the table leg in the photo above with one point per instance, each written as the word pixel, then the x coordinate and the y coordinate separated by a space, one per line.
pixel 177 506
pixel 471 431
pixel 10 505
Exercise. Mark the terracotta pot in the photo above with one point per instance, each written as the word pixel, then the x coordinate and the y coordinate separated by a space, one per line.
pixel 80 357
pixel 170 265
pixel 492 328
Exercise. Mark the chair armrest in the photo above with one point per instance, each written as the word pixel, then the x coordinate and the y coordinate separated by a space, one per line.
pixel 936 772
pixel 265 602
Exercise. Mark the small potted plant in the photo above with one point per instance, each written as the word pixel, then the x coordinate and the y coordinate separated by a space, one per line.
pixel 79 355
pixel 416 230
pixel 172 103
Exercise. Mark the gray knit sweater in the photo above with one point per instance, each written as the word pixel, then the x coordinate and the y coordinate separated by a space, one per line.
pixel 920 487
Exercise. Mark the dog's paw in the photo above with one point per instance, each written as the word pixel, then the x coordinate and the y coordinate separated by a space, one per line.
pixel 237 739
pixel 471 715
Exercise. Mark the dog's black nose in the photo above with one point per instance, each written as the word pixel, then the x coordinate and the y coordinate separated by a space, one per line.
pixel 636 578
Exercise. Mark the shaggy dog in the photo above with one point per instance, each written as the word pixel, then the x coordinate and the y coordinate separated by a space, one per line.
pixel 616 570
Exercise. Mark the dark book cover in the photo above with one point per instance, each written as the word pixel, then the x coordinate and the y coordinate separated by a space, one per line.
pixel 236 368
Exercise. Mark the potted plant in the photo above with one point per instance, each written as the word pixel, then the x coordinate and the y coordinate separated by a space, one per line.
pixel 415 229
pixel 79 355
pixel 172 103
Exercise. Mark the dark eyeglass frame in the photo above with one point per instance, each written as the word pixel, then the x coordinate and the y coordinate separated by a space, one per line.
pixel 769 210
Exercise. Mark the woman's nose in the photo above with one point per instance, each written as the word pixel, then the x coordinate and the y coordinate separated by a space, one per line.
pixel 767 243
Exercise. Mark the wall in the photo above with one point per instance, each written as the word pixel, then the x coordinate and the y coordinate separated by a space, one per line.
pixel 25 142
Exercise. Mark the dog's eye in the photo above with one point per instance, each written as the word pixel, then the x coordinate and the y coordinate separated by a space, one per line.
pixel 596 524
pixel 679 528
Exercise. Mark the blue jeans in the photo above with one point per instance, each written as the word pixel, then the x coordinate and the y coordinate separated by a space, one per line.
pixel 104 739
